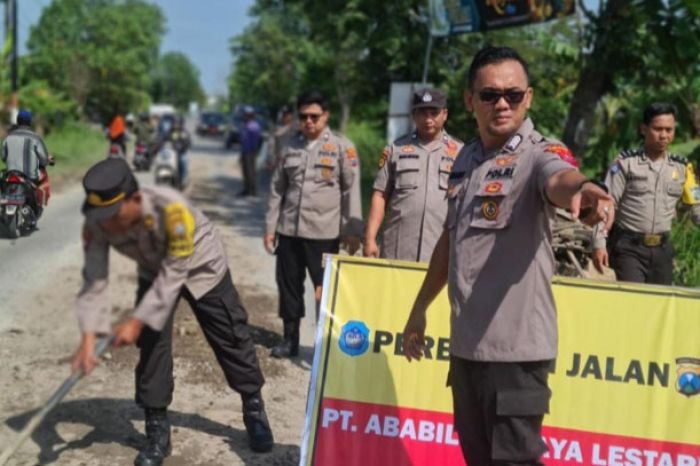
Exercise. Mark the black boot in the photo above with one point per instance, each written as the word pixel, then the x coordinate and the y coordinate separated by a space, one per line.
pixel 290 346
pixel 157 438
pixel 256 424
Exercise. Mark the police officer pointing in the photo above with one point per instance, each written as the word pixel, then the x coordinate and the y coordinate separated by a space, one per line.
pixel 411 184
pixel 179 254
pixel 647 185
pixel 495 256
pixel 314 204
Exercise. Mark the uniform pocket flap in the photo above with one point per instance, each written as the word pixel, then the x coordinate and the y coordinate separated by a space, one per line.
pixel 675 189
pixel 522 402
pixel 407 164
pixel 292 161
pixel 495 188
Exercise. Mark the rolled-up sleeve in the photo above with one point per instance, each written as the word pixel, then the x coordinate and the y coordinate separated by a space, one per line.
pixel 92 303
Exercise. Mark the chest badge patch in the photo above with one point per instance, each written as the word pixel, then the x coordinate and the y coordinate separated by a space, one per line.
pixel 490 210
pixel 675 175
pixel 506 161
pixel 493 188
pixel 408 149
pixel 328 147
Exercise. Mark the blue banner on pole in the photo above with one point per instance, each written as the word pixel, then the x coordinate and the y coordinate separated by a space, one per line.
pixel 461 16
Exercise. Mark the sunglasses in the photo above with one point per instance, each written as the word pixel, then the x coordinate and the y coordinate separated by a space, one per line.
pixel 512 96
pixel 312 116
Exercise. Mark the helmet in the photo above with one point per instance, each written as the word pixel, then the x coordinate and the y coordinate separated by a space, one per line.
pixel 24 117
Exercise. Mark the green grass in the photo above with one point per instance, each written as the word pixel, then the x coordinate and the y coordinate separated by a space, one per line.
pixel 76 147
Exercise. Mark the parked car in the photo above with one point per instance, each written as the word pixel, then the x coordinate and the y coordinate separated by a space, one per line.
pixel 211 124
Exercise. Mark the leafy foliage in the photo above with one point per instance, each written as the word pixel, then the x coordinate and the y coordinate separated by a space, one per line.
pixel 176 81
pixel 97 52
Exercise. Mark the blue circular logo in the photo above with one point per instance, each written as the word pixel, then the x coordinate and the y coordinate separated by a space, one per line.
pixel 354 338
pixel 689 383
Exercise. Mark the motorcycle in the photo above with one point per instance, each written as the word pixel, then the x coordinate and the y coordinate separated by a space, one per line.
pixel 142 158
pixel 21 202
pixel 115 152
pixel 166 169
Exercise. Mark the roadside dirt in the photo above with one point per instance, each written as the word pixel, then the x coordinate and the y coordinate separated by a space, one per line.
pixel 98 423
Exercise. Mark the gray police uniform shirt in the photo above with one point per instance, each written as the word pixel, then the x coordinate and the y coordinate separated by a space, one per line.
pixel 414 176
pixel 501 260
pixel 646 197
pixel 174 245
pixel 23 150
pixel 315 189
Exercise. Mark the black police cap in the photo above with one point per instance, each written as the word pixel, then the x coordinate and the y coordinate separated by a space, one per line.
pixel 107 184
pixel 429 98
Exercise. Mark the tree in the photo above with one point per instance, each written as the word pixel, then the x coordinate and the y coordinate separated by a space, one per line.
pixel 176 81
pixel 97 52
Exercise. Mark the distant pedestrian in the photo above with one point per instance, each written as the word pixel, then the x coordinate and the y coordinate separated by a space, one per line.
pixel 251 141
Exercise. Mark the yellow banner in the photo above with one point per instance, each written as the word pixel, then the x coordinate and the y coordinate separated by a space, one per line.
pixel 625 387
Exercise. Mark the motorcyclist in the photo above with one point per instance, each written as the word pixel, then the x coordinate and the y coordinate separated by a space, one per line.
pixel 117 133
pixel 23 150
pixel 180 140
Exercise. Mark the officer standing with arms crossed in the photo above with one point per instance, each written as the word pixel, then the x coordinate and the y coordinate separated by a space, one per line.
pixel 314 205
pixel 496 258
pixel 411 184
pixel 647 184
pixel 179 254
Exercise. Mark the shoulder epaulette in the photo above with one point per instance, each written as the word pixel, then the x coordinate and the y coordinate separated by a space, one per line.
pixel 678 158
pixel 627 153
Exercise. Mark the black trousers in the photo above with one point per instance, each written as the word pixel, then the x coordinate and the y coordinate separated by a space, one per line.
pixel 223 320
pixel 294 257
pixel 250 181
pixel 635 262
pixel 498 410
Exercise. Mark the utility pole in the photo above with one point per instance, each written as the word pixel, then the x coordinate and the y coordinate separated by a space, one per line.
pixel 12 58
pixel 14 84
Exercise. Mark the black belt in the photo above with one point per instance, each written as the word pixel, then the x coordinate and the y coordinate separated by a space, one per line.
pixel 647 239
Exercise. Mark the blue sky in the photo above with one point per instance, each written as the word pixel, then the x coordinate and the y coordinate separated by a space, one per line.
pixel 200 29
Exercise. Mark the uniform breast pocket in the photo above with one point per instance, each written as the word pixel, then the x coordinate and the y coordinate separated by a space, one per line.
pixel 292 164
pixel 674 189
pixel 325 170
pixel 492 205
pixel 444 174
pixel 407 173
pixel 638 185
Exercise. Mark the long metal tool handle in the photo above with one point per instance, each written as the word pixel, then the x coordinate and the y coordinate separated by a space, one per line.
pixel 100 347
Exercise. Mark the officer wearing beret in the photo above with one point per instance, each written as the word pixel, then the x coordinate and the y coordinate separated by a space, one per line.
pixel 411 184
pixel 648 185
pixel 495 256
pixel 314 205
pixel 179 254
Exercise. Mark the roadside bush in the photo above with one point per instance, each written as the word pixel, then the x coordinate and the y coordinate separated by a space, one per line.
pixel 369 142
pixel 686 241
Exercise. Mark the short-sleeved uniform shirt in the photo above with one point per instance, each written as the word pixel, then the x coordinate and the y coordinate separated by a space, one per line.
pixel 501 261
pixel 647 194
pixel 414 176
pixel 315 189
